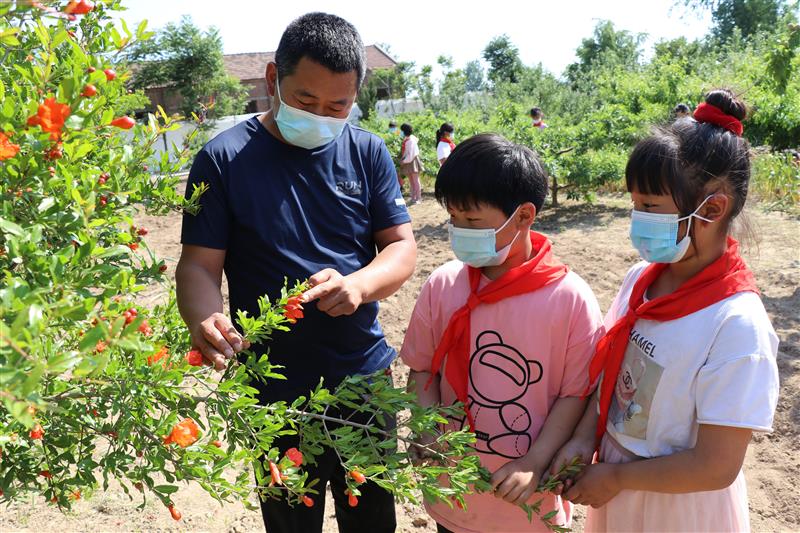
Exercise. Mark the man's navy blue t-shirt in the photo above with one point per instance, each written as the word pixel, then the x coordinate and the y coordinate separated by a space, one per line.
pixel 280 211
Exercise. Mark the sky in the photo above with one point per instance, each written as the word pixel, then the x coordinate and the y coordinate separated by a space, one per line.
pixel 419 31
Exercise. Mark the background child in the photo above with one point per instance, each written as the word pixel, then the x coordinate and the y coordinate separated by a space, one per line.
pixel 410 162
pixel 444 142
pixel 537 118
pixel 688 362
pixel 506 329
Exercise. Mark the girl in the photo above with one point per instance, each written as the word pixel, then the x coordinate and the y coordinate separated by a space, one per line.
pixel 410 162
pixel 688 360
pixel 444 142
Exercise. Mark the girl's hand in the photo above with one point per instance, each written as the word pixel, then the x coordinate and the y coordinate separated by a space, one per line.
pixel 595 485
pixel 575 447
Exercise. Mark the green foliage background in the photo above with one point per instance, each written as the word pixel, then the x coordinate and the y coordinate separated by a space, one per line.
pixel 612 97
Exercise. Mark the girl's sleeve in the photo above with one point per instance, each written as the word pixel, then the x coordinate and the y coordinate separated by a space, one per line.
pixel 738 385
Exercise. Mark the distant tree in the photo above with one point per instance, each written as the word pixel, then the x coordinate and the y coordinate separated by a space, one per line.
pixel 188 61
pixel 473 72
pixel 607 47
pixel 503 58
pixel 749 16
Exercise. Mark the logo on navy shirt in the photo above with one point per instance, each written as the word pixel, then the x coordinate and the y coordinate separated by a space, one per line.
pixel 350 188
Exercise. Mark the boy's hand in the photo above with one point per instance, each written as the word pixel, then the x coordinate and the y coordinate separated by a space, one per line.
pixel 575 447
pixel 516 481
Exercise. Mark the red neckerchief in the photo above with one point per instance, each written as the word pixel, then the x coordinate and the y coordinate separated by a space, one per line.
pixel 724 277
pixel 540 270
pixel 448 141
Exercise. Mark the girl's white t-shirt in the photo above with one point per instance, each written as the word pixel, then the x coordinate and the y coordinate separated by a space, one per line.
pixel 715 366
pixel 411 150
pixel 443 150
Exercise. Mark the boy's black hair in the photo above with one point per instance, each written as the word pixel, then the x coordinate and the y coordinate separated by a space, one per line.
pixel 392 124
pixel 536 112
pixel 489 169
pixel 326 39
pixel 681 159
pixel 406 128
pixel 682 108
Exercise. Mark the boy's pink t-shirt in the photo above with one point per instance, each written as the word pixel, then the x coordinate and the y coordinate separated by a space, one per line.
pixel 526 352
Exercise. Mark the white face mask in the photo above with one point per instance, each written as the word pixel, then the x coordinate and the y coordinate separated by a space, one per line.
pixel 305 129
pixel 477 247
pixel 654 235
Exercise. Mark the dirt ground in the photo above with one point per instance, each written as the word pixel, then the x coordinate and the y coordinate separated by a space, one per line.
pixel 593 240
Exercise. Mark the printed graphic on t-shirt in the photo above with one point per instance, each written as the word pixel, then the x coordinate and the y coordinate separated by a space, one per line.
pixel 636 385
pixel 499 377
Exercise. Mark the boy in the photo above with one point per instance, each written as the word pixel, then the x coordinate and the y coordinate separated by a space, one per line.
pixel 507 330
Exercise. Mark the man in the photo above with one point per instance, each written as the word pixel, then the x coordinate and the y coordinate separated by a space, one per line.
pixel 681 111
pixel 298 193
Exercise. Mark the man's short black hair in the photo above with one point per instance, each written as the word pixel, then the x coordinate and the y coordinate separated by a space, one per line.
pixel 327 39
pixel 681 108
pixel 489 169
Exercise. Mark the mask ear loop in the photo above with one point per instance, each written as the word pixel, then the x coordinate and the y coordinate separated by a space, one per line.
pixel 501 228
pixel 694 214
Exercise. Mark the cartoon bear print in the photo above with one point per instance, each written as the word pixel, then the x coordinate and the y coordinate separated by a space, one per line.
pixel 499 375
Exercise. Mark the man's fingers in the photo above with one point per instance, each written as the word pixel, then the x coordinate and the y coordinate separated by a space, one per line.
pixel 215 338
pixel 230 333
pixel 212 354
pixel 318 291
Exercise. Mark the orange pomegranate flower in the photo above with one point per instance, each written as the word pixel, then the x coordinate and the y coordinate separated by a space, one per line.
pixel 79 7
pixel 158 356
pixel 7 149
pixel 50 117
pixel 293 309
pixel 183 434
pixel 295 455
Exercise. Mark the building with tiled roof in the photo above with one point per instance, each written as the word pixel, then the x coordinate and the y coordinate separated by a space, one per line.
pixel 249 69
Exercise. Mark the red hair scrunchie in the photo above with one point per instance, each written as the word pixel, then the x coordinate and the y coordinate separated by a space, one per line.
pixel 713 115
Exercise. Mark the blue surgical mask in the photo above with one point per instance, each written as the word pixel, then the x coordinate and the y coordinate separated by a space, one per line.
pixel 655 235
pixel 478 247
pixel 305 129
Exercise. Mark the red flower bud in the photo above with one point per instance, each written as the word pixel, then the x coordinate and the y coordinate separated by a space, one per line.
pixel 308 502
pixel 124 123
pixel 89 90
pixel 176 515
pixel 357 476
pixel 37 432
pixel 110 73
pixel 275 473
pixel 352 500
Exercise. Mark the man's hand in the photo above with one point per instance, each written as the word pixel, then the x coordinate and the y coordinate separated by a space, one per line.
pixel 218 340
pixel 338 295
pixel 516 481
